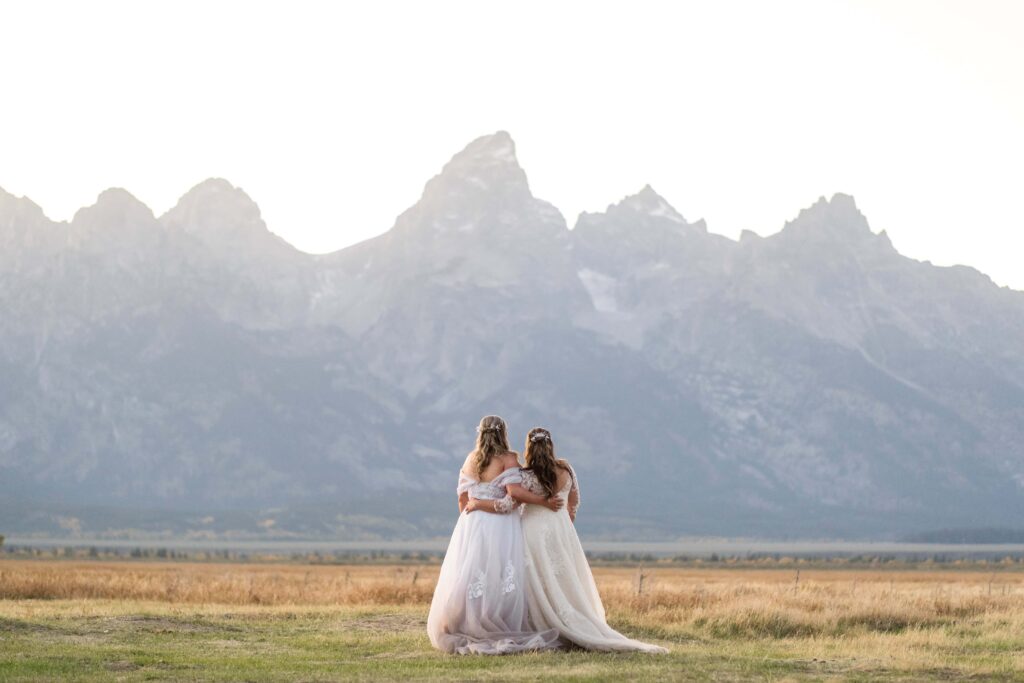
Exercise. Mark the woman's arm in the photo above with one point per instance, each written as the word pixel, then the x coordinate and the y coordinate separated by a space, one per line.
pixel 516 494
pixel 524 495
pixel 463 501
pixel 502 506
pixel 574 495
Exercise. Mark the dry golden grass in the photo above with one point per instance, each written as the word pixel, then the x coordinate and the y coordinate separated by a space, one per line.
pixel 718 623
pixel 773 603
pixel 233 584
pixel 722 603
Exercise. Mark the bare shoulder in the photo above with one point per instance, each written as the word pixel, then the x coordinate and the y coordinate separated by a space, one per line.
pixel 510 459
pixel 469 466
pixel 565 472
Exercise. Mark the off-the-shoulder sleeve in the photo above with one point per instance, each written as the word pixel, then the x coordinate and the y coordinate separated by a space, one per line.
pixel 512 475
pixel 465 483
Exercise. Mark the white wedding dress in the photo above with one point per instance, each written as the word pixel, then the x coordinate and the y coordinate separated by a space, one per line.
pixel 561 590
pixel 480 603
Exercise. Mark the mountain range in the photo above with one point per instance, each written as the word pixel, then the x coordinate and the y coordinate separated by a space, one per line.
pixel 194 373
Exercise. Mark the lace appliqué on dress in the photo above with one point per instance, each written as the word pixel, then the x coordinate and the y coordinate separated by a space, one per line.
pixel 531 484
pixel 505 505
pixel 555 558
pixel 573 509
pixel 476 588
pixel 508 582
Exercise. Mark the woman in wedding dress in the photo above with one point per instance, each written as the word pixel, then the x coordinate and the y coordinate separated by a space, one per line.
pixel 562 594
pixel 480 602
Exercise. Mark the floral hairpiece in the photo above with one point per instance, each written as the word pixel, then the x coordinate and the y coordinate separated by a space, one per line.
pixel 540 436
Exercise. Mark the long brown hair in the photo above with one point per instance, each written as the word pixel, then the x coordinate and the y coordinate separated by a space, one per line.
pixel 491 441
pixel 541 460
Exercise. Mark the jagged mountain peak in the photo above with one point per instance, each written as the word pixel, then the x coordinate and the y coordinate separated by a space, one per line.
pixel 487 166
pixel 838 215
pixel 480 195
pixel 227 221
pixel 217 206
pixel 649 202
pixel 18 209
pixel 212 186
pixel 494 153
pixel 646 194
pixel 498 147
pixel 22 224
pixel 118 197
pixel 832 224
pixel 118 223
pixel 114 207
pixel 644 210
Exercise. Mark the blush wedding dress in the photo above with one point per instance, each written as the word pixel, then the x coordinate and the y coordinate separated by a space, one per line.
pixel 561 591
pixel 480 602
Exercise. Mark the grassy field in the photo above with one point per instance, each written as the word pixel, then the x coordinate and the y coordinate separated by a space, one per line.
pixel 203 621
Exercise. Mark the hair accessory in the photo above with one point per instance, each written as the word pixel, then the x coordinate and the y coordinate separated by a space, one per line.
pixel 540 436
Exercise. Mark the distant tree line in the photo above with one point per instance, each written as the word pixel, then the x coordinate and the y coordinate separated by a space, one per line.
pixel 1012 560
pixel 982 535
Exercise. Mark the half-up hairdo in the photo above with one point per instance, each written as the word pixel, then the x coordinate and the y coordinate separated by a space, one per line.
pixel 540 459
pixel 491 442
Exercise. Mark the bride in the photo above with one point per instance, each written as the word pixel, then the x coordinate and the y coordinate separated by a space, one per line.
pixel 562 593
pixel 480 602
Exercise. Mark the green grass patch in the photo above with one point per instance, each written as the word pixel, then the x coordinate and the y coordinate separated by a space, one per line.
pixel 105 640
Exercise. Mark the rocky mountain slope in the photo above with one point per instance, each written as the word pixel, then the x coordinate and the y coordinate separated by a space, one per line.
pixel 810 383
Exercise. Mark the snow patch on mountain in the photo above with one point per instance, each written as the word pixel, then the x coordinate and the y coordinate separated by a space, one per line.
pixel 505 151
pixel 664 210
pixel 601 289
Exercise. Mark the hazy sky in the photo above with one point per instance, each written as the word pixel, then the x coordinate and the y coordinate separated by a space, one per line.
pixel 332 116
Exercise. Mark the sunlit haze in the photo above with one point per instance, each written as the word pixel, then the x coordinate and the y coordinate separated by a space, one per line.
pixel 332 116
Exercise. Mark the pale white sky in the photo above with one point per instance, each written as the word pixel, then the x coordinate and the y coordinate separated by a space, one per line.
pixel 333 115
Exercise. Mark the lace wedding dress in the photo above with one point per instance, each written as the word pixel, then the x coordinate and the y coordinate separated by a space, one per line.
pixel 561 590
pixel 479 604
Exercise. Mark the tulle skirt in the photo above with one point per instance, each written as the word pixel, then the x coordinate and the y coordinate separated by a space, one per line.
pixel 561 591
pixel 480 603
